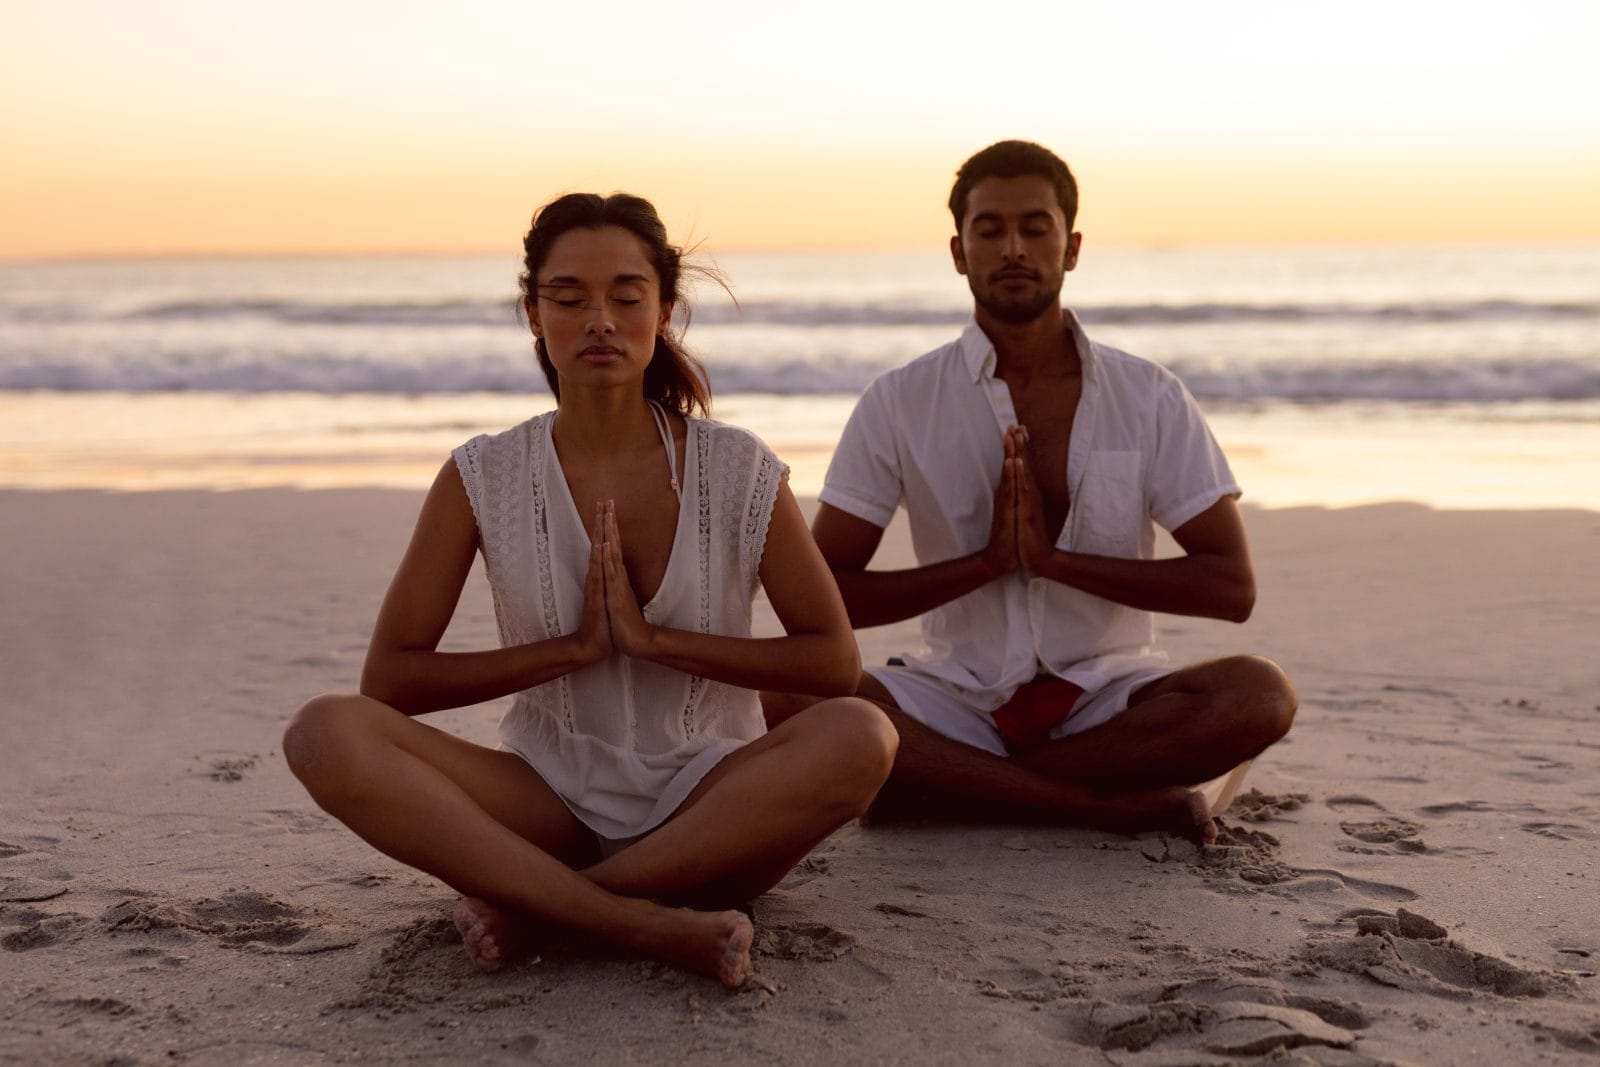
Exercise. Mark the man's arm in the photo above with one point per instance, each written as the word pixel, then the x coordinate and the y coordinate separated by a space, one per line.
pixel 1213 578
pixel 876 598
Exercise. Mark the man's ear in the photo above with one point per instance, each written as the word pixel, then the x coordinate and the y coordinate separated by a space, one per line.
pixel 958 256
pixel 1074 244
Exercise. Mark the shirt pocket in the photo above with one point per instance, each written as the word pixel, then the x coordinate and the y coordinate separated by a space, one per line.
pixel 1108 513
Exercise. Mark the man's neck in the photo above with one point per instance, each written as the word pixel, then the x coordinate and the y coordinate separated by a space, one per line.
pixel 1023 350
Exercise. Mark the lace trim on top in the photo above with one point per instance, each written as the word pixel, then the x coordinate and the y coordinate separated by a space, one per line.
pixel 758 519
pixel 702 444
pixel 541 535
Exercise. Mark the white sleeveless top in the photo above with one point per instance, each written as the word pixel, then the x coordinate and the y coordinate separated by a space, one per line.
pixel 623 741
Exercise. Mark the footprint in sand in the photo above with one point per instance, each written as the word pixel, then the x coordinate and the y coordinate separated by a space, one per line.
pixel 1559 831
pixel 900 910
pixel 1412 952
pixel 1388 830
pixel 239 918
pixel 231 770
pixel 802 941
pixel 1457 807
pixel 1224 1028
pixel 39 930
pixel 1261 991
pixel 1350 801
pixel 1256 806
pixel 421 962
pixel 1249 855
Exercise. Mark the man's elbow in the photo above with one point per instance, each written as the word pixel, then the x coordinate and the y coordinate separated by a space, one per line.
pixel 1240 601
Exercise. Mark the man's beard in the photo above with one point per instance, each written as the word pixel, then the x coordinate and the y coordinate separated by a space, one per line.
pixel 1018 310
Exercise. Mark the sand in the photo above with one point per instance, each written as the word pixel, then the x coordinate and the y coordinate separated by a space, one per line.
pixel 1411 877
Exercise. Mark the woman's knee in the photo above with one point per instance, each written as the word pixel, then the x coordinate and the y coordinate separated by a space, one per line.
pixel 322 729
pixel 860 740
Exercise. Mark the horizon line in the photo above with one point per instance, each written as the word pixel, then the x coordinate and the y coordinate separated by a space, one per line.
pixel 1544 241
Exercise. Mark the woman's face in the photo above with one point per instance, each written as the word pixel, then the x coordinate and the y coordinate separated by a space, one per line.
pixel 598 307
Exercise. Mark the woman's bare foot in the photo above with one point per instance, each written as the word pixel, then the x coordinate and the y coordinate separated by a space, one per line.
pixel 713 943
pixel 489 934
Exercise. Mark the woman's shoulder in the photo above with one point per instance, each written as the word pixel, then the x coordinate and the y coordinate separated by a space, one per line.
pixel 494 455
pixel 726 437
pixel 513 437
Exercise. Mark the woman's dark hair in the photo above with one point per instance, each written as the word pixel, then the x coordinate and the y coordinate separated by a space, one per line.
pixel 674 378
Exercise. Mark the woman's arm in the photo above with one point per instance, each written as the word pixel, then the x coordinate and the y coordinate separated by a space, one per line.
pixel 403 668
pixel 818 655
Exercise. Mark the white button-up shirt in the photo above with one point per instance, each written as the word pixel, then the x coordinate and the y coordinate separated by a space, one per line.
pixel 929 435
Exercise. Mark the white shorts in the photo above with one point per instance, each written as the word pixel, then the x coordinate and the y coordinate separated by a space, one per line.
pixel 946 710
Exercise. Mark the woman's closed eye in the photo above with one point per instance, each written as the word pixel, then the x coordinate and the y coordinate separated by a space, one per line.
pixel 577 300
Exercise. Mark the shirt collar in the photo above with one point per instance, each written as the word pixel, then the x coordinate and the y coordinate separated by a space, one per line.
pixel 977 351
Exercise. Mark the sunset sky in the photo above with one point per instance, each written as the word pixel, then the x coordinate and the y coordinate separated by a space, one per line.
pixel 190 126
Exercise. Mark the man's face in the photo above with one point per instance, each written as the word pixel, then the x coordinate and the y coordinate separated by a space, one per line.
pixel 1014 247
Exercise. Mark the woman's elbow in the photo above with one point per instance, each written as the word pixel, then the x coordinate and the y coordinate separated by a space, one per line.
pixel 840 673
pixel 380 684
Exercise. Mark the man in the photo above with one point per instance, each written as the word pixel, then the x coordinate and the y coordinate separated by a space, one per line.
pixel 1031 462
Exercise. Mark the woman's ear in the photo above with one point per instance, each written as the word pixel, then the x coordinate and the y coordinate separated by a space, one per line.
pixel 531 309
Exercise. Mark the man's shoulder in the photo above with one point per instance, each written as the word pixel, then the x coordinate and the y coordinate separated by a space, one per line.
pixel 921 373
pixel 1119 364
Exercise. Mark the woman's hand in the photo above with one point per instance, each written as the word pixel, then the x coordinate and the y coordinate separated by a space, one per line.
pixel 594 628
pixel 630 633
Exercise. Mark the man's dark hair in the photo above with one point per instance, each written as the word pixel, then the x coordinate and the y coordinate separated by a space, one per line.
pixel 1013 159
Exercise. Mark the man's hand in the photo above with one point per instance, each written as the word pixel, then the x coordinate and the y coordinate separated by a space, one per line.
pixel 1033 536
pixel 630 633
pixel 1000 554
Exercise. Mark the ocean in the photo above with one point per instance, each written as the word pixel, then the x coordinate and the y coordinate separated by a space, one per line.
pixel 1451 376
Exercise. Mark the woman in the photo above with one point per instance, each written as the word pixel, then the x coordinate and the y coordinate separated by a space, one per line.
pixel 634 769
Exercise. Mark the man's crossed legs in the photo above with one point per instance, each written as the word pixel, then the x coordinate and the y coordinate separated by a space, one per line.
pixel 1134 772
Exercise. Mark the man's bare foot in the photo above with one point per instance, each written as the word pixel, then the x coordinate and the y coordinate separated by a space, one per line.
pixel 489 934
pixel 1203 825
pixel 1175 810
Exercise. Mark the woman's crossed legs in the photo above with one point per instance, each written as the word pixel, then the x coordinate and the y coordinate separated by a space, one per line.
pixel 486 824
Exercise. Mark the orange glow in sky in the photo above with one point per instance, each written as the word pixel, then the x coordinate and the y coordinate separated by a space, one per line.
pixel 184 126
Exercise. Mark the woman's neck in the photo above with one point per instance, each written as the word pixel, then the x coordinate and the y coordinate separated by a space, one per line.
pixel 607 422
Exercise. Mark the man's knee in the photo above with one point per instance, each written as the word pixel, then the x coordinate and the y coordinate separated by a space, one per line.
pixel 1263 691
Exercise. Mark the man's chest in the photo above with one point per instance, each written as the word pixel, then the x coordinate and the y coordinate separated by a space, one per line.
pixel 1048 414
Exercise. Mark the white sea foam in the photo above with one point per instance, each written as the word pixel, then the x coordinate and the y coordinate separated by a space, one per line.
pixel 1250 326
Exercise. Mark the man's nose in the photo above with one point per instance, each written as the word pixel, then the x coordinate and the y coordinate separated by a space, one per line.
pixel 1011 247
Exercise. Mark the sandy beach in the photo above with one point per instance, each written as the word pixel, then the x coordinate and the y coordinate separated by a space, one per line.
pixel 1410 878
